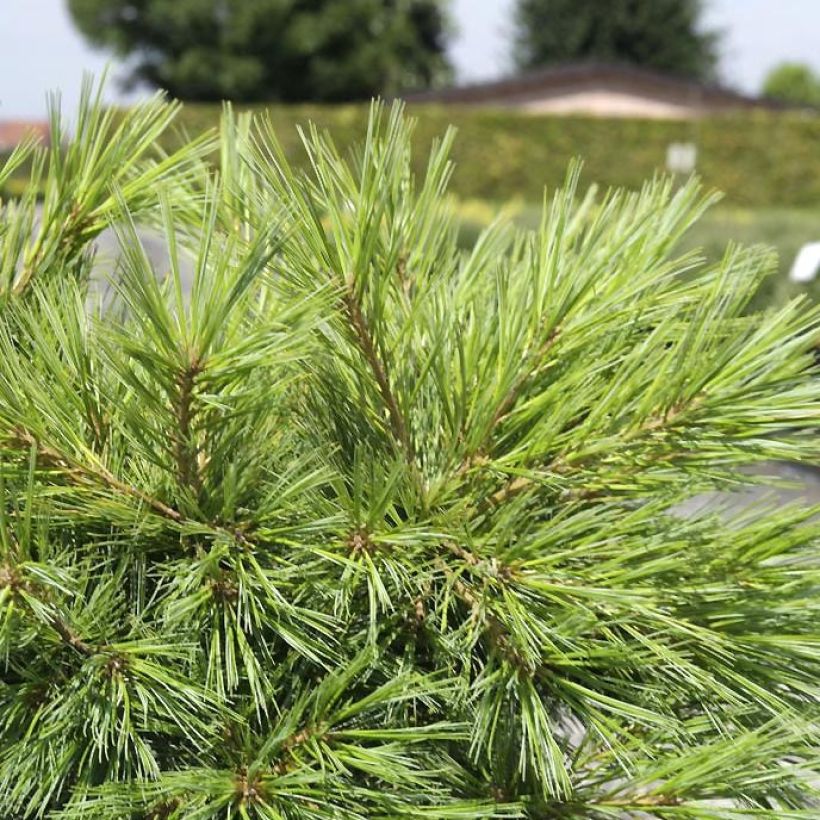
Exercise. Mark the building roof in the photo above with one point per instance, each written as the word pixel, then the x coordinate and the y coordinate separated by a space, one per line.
pixel 13 132
pixel 574 77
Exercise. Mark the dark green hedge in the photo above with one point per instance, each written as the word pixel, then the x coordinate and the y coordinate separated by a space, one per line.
pixel 756 159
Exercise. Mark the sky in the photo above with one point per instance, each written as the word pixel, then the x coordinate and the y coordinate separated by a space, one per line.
pixel 40 51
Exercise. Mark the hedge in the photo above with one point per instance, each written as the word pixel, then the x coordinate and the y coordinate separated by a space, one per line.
pixel 757 159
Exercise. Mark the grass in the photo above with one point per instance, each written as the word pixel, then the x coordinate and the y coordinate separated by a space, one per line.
pixel 783 229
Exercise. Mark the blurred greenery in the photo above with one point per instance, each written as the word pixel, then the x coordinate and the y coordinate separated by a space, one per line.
pixel 793 83
pixel 758 159
pixel 665 35
pixel 784 229
pixel 256 50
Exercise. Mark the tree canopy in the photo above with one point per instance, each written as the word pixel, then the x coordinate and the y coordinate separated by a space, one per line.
pixel 793 83
pixel 265 50
pixel 659 34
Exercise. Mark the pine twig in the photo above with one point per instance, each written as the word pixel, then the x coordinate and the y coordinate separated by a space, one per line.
pixel 366 344
pixel 558 465
pixel 98 474
pixel 298 738
pixel 497 634
pixel 70 636
pixel 184 450
pixel 533 363
pixel 84 473
pixel 11 579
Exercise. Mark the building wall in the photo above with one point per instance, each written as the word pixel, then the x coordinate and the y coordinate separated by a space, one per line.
pixel 605 91
pixel 609 103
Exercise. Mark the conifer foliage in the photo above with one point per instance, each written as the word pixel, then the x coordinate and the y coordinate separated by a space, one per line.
pixel 329 518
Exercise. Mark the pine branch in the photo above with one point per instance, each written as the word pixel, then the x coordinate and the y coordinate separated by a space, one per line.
pixel 68 244
pixel 497 634
pixel 532 364
pixel 82 473
pixel 379 368
pixel 98 474
pixel 369 643
pixel 185 449
pixel 71 637
pixel 560 466
pixel 305 735
pixel 510 490
pixel 11 579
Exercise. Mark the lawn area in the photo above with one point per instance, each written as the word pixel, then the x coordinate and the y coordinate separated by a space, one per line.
pixel 784 229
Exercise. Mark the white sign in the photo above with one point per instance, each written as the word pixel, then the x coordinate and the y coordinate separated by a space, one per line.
pixel 681 157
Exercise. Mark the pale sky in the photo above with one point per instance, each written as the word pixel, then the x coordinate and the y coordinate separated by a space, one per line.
pixel 40 50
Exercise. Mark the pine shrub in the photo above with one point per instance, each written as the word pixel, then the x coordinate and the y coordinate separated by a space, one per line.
pixel 328 518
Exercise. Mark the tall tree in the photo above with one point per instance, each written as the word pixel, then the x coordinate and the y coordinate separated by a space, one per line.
pixel 259 50
pixel 659 34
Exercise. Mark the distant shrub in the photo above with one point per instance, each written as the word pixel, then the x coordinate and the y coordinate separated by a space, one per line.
pixel 794 83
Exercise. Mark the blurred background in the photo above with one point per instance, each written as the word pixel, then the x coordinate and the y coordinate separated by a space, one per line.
pixel 727 89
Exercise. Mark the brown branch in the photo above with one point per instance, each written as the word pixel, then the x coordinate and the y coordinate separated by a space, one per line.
pixel 70 636
pixel 248 791
pixel 466 555
pixel 379 368
pixel 185 451
pixel 661 420
pixel 98 474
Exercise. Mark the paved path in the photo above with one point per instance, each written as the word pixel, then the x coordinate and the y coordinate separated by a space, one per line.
pixel 780 483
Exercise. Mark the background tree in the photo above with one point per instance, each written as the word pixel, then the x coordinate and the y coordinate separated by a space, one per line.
pixel 793 83
pixel 261 50
pixel 659 34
